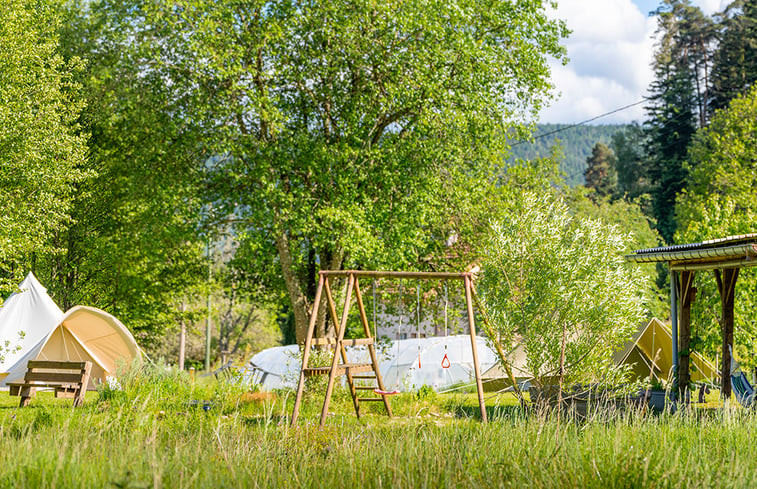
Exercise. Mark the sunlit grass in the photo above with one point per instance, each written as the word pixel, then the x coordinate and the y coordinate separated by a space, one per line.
pixel 154 434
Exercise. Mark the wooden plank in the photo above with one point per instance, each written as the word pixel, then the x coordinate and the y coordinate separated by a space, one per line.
pixel 370 399
pixel 397 275
pixel 53 377
pixel 54 365
pixel 354 368
pixel 346 342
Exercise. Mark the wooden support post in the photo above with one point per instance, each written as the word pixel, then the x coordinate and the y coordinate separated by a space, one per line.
pixel 340 337
pixel 26 396
pixel 79 396
pixel 687 294
pixel 306 351
pixel 726 281
pixel 474 347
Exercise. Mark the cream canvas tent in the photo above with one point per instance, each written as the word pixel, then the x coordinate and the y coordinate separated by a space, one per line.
pixel 651 350
pixel 29 311
pixel 84 333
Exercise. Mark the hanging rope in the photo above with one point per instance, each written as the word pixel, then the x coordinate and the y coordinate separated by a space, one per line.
pixel 399 329
pixel 418 320
pixel 445 360
pixel 375 324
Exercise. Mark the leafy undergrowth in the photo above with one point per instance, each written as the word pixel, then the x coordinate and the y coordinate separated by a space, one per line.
pixel 163 430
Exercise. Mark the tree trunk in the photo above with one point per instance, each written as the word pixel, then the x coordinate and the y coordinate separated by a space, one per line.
pixel 562 371
pixel 295 289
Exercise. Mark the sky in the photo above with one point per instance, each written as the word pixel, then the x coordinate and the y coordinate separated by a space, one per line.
pixel 610 53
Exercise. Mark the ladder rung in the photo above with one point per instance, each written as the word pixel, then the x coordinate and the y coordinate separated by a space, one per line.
pixel 363 377
pixel 365 387
pixel 340 369
pixel 369 399
pixel 346 342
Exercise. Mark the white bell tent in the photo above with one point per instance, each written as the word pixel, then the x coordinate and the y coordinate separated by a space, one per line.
pixel 279 367
pixel 83 333
pixel 26 317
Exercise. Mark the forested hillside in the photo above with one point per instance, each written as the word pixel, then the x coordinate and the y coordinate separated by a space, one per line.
pixel 575 145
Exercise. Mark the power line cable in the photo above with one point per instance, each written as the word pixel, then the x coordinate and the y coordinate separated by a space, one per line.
pixel 578 124
pixel 600 116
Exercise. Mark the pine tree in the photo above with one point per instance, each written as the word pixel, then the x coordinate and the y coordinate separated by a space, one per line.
pixel 678 102
pixel 735 61
pixel 631 162
pixel 600 173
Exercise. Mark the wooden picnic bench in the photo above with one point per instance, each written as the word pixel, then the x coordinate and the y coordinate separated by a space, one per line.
pixel 69 379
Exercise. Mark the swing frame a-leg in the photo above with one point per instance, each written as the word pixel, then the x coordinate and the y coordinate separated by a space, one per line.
pixel 352 371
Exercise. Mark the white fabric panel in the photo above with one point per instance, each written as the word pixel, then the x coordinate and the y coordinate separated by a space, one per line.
pixel 30 310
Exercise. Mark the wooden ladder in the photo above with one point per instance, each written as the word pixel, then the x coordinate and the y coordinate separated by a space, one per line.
pixel 358 374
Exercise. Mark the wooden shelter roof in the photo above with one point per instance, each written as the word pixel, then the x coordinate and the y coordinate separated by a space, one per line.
pixel 729 252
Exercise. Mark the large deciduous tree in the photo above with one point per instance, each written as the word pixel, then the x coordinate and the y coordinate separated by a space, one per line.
pixel 345 132
pixel 41 152
pixel 135 246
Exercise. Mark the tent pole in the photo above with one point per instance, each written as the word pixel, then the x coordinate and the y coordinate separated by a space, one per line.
pixel 674 324
pixel 207 319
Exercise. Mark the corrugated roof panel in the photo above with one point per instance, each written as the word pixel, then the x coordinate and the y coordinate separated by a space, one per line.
pixel 712 243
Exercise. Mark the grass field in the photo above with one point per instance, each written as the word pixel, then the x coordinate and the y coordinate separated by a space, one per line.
pixel 156 432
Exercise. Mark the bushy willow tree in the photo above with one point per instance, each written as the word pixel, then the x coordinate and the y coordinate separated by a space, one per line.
pixel 40 151
pixel 343 132
pixel 560 286
pixel 721 201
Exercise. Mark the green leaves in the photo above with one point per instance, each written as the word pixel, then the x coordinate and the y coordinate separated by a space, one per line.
pixel 546 272
pixel 720 201
pixel 41 148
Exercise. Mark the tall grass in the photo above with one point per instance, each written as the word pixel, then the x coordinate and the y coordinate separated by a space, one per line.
pixel 151 434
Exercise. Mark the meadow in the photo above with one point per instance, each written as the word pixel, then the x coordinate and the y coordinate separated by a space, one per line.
pixel 164 430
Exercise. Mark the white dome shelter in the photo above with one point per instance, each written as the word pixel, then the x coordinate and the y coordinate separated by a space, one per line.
pixel 29 311
pixel 279 367
pixel 274 368
pixel 413 363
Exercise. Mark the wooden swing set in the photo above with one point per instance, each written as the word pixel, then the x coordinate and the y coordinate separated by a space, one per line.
pixel 367 372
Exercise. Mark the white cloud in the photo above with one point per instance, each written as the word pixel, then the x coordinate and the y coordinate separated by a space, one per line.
pixel 610 53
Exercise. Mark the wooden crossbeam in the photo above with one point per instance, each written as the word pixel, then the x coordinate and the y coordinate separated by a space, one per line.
pixel 340 366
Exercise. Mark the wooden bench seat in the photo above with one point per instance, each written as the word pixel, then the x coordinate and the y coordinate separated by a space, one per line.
pixel 69 379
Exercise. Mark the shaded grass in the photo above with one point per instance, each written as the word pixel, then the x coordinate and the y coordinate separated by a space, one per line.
pixel 151 435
